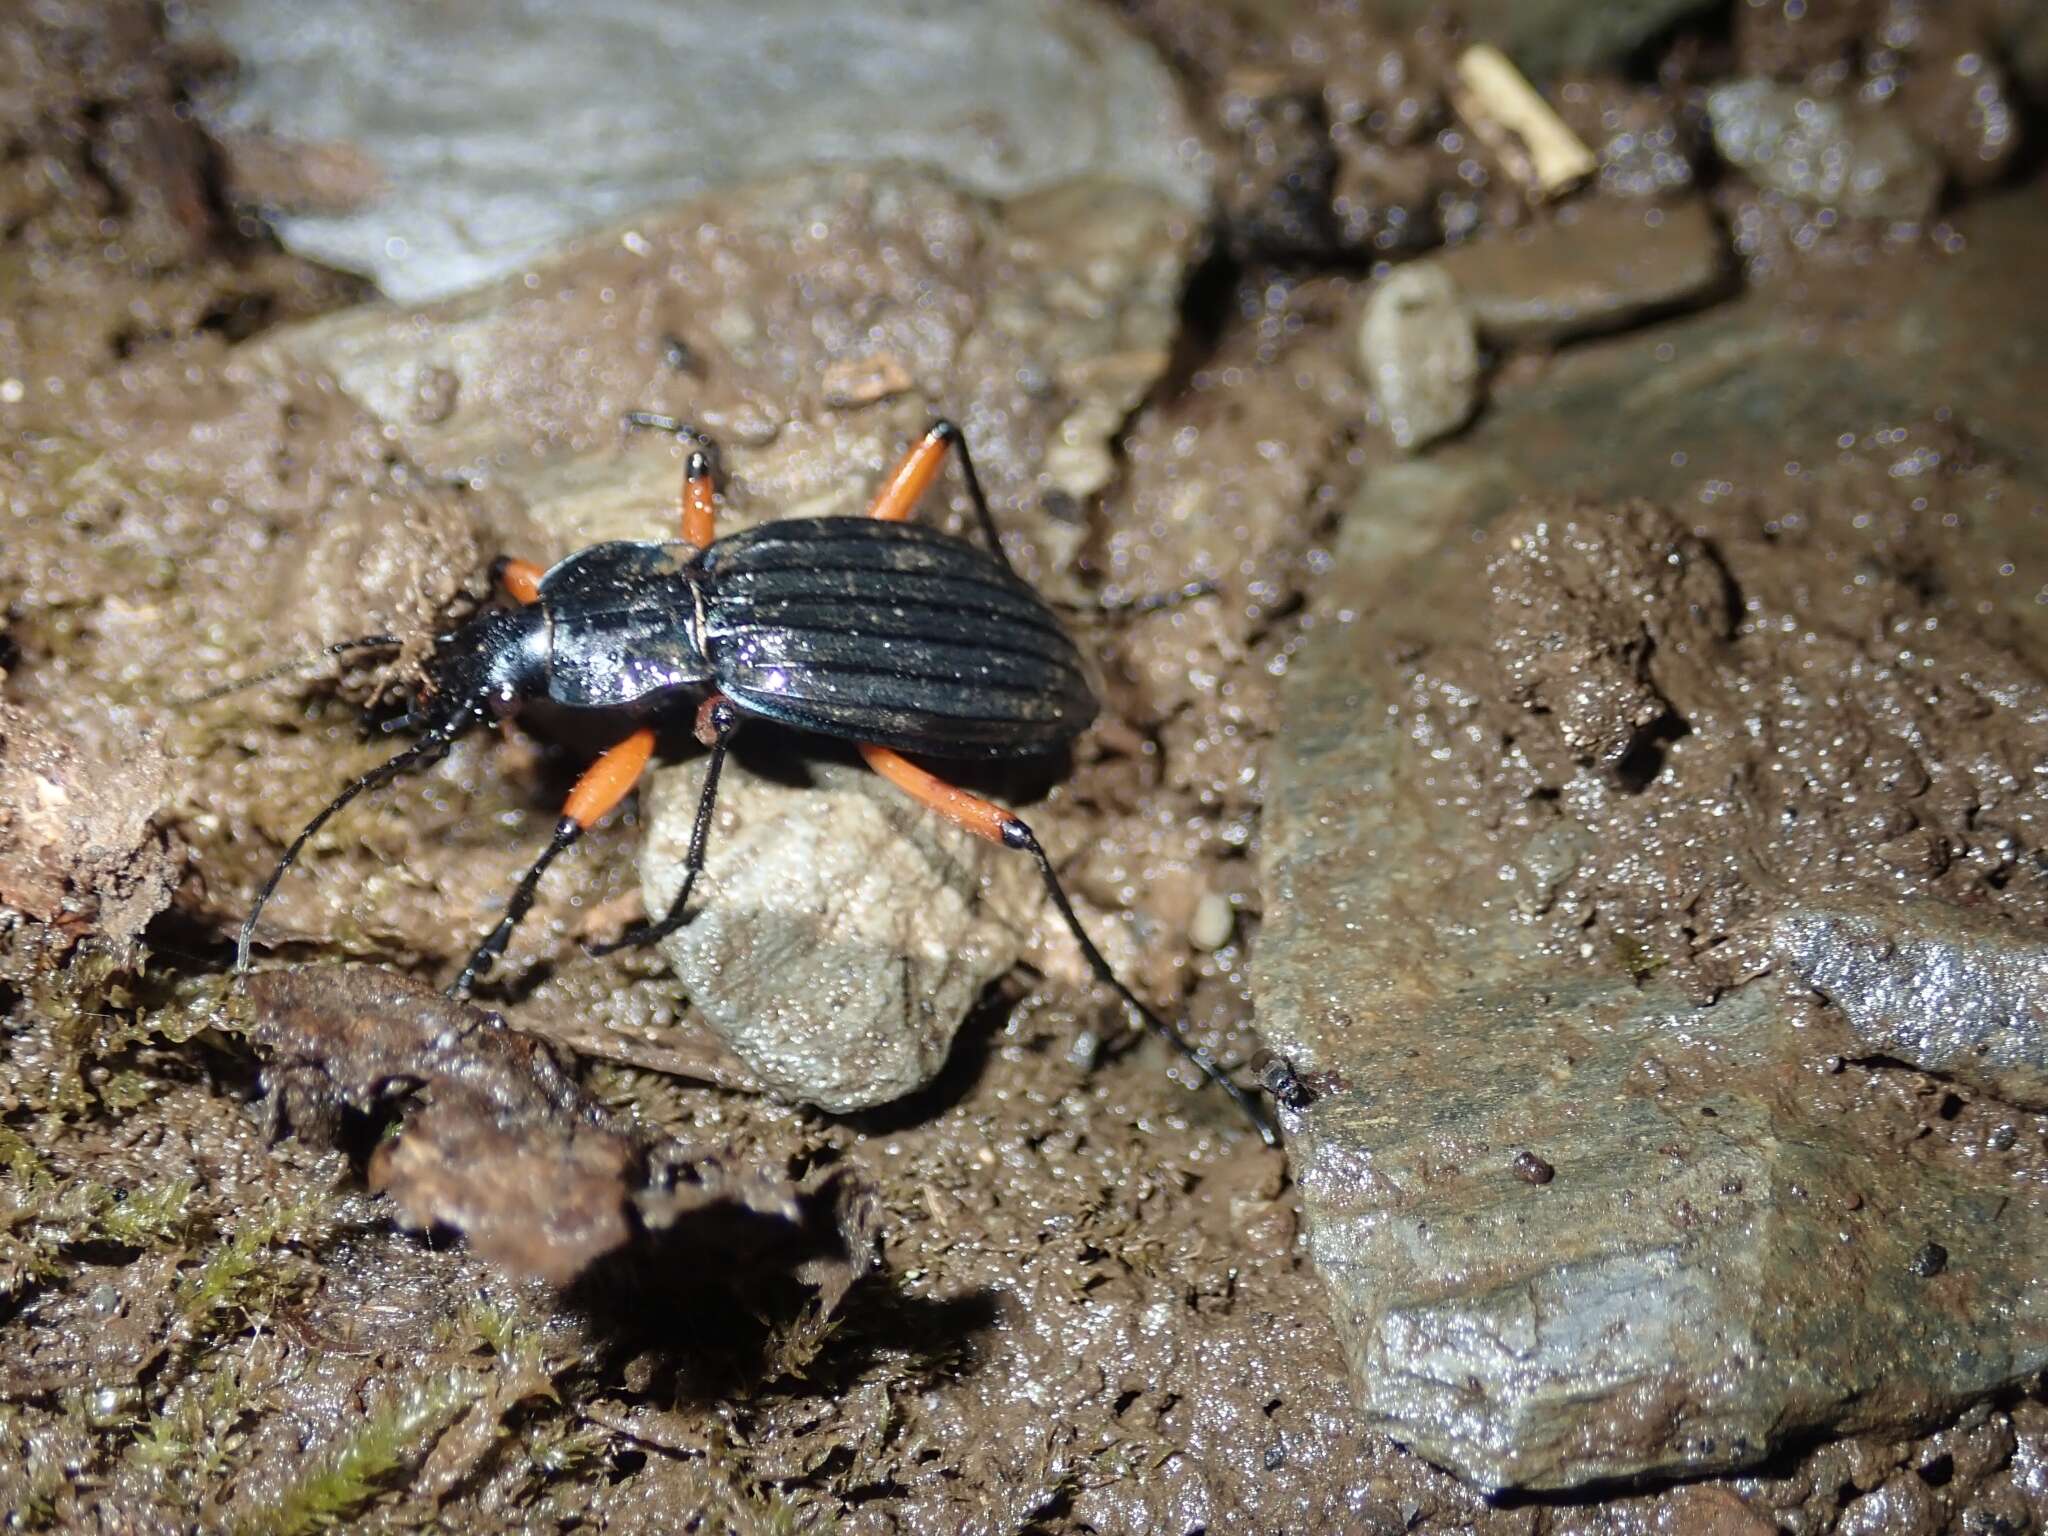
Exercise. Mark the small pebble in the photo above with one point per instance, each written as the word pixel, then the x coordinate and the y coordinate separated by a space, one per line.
pixel 1420 353
pixel 1930 1261
pixel 1276 1457
pixel 1210 927
pixel 856 381
pixel 1531 1169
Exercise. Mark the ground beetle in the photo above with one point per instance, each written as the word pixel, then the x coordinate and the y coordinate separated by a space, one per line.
pixel 872 629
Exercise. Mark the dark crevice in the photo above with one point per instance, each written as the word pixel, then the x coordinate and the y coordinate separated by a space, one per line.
pixel 1641 764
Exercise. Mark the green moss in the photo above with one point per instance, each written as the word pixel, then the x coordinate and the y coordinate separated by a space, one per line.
pixel 495 1327
pixel 88 1009
pixel 240 1274
pixel 562 1450
pixel 1637 960
pixel 190 1435
pixel 154 1216
pixel 368 1460
pixel 22 1165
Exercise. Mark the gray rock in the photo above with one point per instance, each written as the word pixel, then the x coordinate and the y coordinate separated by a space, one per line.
pixel 1714 1267
pixel 1705 1274
pixel 1420 354
pixel 558 120
pixel 1598 266
pixel 1823 151
pixel 842 932
pixel 1949 990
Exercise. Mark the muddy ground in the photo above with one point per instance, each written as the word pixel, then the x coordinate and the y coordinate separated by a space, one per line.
pixel 1061 1290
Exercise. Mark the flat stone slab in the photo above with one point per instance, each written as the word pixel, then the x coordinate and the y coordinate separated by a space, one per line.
pixel 1598 266
pixel 1628 1148
pixel 1705 1271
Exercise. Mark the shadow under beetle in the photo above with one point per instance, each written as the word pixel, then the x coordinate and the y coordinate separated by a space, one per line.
pixel 874 629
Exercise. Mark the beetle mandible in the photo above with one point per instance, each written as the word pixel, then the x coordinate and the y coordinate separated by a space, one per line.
pixel 875 630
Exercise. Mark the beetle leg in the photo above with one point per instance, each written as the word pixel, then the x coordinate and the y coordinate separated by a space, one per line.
pixel 986 819
pixel 718 721
pixel 699 505
pixel 422 752
pixel 904 489
pixel 604 784
pixel 519 578
pixel 700 510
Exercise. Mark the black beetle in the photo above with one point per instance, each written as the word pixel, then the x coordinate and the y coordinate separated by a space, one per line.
pixel 872 629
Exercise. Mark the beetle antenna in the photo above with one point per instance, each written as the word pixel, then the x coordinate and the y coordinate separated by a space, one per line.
pixel 286 669
pixel 418 755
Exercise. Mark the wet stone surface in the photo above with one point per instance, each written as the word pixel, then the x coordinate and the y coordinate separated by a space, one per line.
pixel 1951 991
pixel 374 157
pixel 842 932
pixel 1648 845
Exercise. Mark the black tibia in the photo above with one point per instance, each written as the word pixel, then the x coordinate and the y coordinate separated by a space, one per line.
pixel 1017 835
pixel 945 431
pixel 567 831
pixel 725 723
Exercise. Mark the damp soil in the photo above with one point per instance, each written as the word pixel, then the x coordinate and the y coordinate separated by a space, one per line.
pixel 1062 1289
pixel 1775 699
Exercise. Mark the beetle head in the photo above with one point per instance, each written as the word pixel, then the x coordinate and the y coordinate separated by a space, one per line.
pixel 482 673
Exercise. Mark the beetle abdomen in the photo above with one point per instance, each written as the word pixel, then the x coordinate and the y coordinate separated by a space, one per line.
pixel 892 633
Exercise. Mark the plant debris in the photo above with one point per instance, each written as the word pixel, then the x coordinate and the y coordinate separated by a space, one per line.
pixel 479 1129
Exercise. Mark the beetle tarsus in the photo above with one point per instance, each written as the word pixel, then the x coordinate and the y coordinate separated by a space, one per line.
pixel 674 426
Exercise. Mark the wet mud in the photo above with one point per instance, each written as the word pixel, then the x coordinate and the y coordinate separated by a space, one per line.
pixel 333 1251
pixel 1762 701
